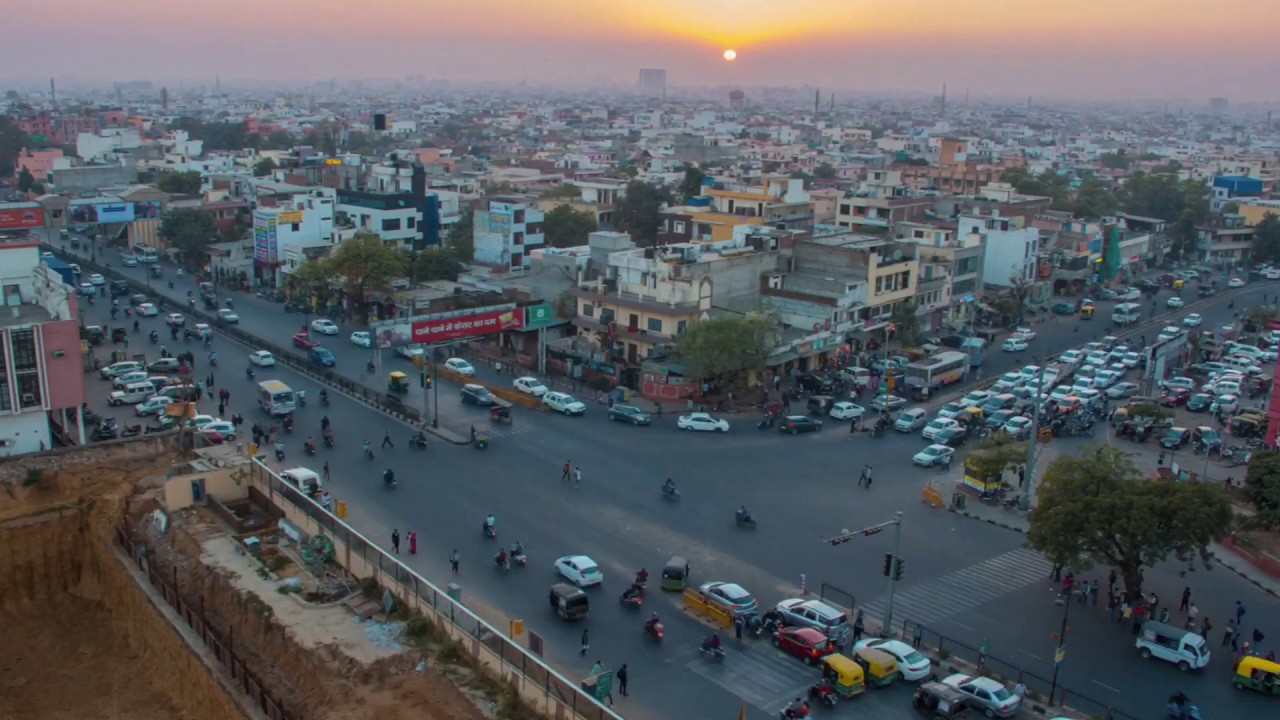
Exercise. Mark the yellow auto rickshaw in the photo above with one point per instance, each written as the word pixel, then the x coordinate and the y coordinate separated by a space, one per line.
pixel 881 669
pixel 398 382
pixel 1256 673
pixel 844 676
pixel 675 574
pixel 1086 312
pixel 480 436
pixel 1179 284
pixel 972 417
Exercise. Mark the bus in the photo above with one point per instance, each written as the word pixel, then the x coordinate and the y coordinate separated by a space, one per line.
pixel 1126 313
pixel 937 371
pixel 276 398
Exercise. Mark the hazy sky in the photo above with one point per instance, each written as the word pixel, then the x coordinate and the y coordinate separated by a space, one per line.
pixel 1062 48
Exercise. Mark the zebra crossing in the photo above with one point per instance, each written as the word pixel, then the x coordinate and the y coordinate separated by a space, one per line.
pixel 758 673
pixel 965 589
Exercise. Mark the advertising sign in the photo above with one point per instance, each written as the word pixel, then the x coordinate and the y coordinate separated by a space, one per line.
pixel 444 327
pixel 499 222
pixel 115 213
pixel 536 316
pixel 147 210
pixel 264 238
pixel 289 218
pixel 21 218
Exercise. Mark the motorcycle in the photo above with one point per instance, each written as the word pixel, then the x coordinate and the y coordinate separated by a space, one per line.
pixel 131 431
pixel 324 399
pixel 389 479
pixel 490 531
pixel 632 596
pixel 368 452
pixel 279 455
pixel 1180 708
pixel 655 630
pixel 767 627
pixel 518 558
pixel 670 494
pixel 310 448
pixel 328 441
pixel 288 424
pixel 418 441
pixel 824 694
pixel 248 374
pixel 715 653
pixel 744 520
pixel 502 561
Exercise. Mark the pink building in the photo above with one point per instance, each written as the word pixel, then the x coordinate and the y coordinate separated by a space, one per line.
pixel 38 162
pixel 41 358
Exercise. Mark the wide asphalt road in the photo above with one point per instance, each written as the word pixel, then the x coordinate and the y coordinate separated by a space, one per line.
pixel 966 579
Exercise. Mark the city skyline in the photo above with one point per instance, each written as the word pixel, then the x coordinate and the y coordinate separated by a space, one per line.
pixel 1087 49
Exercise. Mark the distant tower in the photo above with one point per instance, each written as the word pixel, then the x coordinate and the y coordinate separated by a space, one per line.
pixel 217 83
pixel 1028 102
pixel 53 93
pixel 942 106
pixel 817 98
pixel 164 98
pixel 833 102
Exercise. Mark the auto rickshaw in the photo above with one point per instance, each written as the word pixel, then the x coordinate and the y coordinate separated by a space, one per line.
pixel 1086 312
pixel 820 404
pixel 844 676
pixel 972 417
pixel 675 574
pixel 940 702
pixel 480 436
pixel 500 414
pixel 1256 673
pixel 1248 425
pixel 569 602
pixel 398 382
pixel 119 334
pixel 880 667
pixel 94 334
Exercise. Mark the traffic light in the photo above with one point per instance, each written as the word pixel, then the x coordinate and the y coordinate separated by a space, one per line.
pixel 899 567
pixel 888 563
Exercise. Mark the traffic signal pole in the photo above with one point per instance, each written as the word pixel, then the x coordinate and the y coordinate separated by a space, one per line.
pixel 893 565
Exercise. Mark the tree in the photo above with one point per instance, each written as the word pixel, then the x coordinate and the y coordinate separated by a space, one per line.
pixel 435 264
pixel 691 186
pixel 1117 160
pixel 190 231
pixel 722 347
pixel 1164 197
pixel 12 141
pixel 365 263
pixel 1262 490
pixel 1266 239
pixel 1096 507
pixel 311 282
pixel 25 180
pixel 906 324
pixel 1183 236
pixel 460 240
pixel 825 171
pixel 264 167
pixel 639 211
pixel 629 171
pixel 565 227
pixel 37 188
pixel 180 183
pixel 1093 200
pixel 991 457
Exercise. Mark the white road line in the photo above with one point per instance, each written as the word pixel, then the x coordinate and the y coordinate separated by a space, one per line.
pixel 1104 685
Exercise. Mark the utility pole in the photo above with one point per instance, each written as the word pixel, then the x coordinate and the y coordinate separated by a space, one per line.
pixel 894 567
pixel 1060 653
pixel 1027 478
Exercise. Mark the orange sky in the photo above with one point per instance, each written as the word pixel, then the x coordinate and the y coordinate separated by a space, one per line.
pixel 1069 48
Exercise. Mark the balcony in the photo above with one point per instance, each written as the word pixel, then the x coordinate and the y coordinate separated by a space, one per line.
pixel 608 292
pixel 622 332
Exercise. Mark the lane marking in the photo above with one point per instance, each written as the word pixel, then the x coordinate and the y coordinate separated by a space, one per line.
pixel 1108 687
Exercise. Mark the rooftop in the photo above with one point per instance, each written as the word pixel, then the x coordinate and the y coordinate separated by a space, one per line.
pixel 25 314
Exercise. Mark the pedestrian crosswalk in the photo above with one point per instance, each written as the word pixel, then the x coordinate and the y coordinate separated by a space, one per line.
pixel 965 589
pixel 758 673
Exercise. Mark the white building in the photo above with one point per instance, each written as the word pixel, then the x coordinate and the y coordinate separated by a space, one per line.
pixel 506 232
pixel 297 227
pixel 1009 251
pixel 105 146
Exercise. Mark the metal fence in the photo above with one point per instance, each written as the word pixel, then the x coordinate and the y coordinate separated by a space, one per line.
pixel 223 649
pixel 1038 687
pixel 537 684
pixel 831 594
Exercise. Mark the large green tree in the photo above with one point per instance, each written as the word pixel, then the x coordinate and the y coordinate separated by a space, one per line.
pixel 1183 235
pixel 1164 196
pixel 434 264
pixel 25 179
pixel 1266 239
pixel 1096 507
pixel 722 347
pixel 691 185
pixel 565 227
pixel 639 212
pixel 1262 490
pixel 1117 160
pixel 180 183
pixel 264 167
pixel 825 171
pixel 12 140
pixel 906 324
pixel 190 231
pixel 365 263
pixel 1093 200
pixel 460 240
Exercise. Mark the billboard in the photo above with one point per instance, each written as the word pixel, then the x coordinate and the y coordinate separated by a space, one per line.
pixel 21 218
pixel 289 218
pixel 499 222
pixel 148 210
pixel 264 238
pixel 100 213
pixel 446 327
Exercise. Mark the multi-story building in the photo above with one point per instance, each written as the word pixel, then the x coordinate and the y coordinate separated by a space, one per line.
pixel 36 162
pixel 1234 188
pixel 950 271
pixel 780 202
pixel 506 229
pixel 1228 241
pixel 41 360
pixel 653 81
pixel 1009 251
pixel 597 197
pixel 881 203
pixel 1254 211
pixel 289 228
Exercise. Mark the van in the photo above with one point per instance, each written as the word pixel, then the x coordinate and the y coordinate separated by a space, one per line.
pixel 1172 644
pixel 132 394
pixel 817 615
pixel 304 479
pixel 1239 362
pixel 276 398
pixel 857 376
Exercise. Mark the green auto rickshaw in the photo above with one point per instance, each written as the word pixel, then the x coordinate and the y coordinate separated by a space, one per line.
pixel 675 574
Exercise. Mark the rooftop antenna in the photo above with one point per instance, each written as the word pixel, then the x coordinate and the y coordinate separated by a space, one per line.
pixel 53 93
pixel 942 109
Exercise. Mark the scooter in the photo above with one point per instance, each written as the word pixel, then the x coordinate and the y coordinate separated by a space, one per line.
pixel 671 495
pixel 745 520
pixel 655 630
pixel 389 479
pixel 715 653
pixel 310 449
pixel 328 441
pixel 418 441
pixel 279 455
pixel 518 558
pixel 490 532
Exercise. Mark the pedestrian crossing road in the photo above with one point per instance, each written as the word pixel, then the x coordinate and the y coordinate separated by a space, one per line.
pixel 756 672
pixel 967 588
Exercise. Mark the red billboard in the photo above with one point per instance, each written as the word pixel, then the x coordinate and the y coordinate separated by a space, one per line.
pixel 21 218
pixel 465 326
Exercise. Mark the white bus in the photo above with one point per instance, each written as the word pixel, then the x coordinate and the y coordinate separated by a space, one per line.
pixel 936 371
pixel 1126 313
pixel 276 398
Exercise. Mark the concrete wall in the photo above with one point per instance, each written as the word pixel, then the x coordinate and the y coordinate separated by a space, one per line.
pixel 224 485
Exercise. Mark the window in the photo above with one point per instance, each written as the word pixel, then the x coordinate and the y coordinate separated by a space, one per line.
pixel 682 326
pixel 606 315
pixel 390 224
pixel 6 402
pixel 655 325
pixel 26 369
pixel 413 222
pixel 588 310
pixel 679 226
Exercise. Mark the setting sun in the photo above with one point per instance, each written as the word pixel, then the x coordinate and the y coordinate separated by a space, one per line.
pixel 730 55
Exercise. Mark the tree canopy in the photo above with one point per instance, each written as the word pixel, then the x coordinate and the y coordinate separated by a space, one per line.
pixel 12 140
pixel 365 263
pixel 1117 160
pixel 1266 239
pixel 1164 197
pixel 180 183
pixel 218 135
pixel 691 185
pixel 640 209
pixel 264 167
pixel 460 240
pixel 997 453
pixel 25 179
pixel 565 226
pixel 722 347
pixel 824 171
pixel 434 264
pixel 1183 235
pixel 1096 507
pixel 190 231
pixel 1262 490
pixel 906 324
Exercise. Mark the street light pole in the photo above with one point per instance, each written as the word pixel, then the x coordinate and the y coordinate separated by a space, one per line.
pixel 1025 502
pixel 894 567
pixel 1060 653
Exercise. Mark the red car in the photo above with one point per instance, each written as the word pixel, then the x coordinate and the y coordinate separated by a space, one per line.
pixel 1174 397
pixel 304 341
pixel 805 643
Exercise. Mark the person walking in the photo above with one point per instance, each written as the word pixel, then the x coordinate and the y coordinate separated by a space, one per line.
pixel 1205 628
pixel 386 440
pixel 454 559
pixel 622 680
pixel 1093 592
pixel 325 471
pixel 862 478
pixel 1111 606
pixel 577 476
pixel 917 636
pixel 1229 635
pixel 586 642
pixel 1186 599
pixel 868 477
pixel 859 626
pixel 1239 613
pixel 567 472
pixel 222 409
pixel 737 627
pixel 395 540
pixel 413 543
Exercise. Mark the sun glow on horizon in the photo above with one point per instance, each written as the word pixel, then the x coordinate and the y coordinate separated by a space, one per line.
pixel 730 55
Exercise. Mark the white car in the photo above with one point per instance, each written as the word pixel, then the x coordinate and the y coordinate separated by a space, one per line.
pixel 530 386
pixel 224 428
pixel 977 397
pixel 262 358
pixel 1017 426
pixel 991 696
pixel 1120 391
pixel 88 289
pixel 360 338
pixel 152 406
pixel 933 455
pixel 175 319
pixel 1105 379
pixel 702 421
pixel 460 366
pixel 409 352
pixel 563 403
pixel 1071 357
pixel 845 410
pixel 202 330
pixel 1024 333
pixel 1174 302
pixel 1232 283
pixel 936 426
pixel 1192 320
pixel 579 570
pixel 1129 295
pixel 324 326
pixel 148 310
pixel 130 261
pixel 1014 344
pixel 228 316
pixel 199 421
pixel 97 279
pixel 913 665
pixel 1097 358
pixel 952 410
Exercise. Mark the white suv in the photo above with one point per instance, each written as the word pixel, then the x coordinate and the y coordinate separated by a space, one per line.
pixel 562 403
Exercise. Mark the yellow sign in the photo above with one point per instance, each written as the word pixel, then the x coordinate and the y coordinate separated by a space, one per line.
pixel 517 628
pixel 289 218
pixel 931 496
pixel 333 161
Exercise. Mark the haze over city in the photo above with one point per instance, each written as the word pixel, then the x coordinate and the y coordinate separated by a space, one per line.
pixel 1084 49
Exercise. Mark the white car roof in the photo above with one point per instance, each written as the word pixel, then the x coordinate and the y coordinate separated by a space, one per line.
pixel 530 380
pixel 578 560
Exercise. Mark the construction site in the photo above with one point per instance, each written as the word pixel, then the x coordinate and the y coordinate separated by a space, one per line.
pixel 131 593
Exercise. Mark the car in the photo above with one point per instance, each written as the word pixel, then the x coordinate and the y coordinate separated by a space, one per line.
pixel 175 320
pixel 579 570
pixel 804 642
pixel 1181 382
pixel 815 384
pixel 1014 344
pixel 937 424
pixel 796 424
pixel 228 316
pixel 1097 358
pixel 322 357
pixel 702 421
pixel 998 418
pixel 410 352
pixel 1106 378
pixel 1174 438
pixel 1129 295
pixel 97 279
pixel 1189 274
pixel 1122 390
pixel 88 289
pixel 952 437
pixel 164 365
pixel 1107 294
pixel 731 597
pixel 911 662
pixel 1174 302
pixel 887 403
pixel 223 427
pixel 530 386
pixel 119 381
pixel 1226 404
pixel 977 398
pixel 801 612
pixel 1018 427
pixel 262 358
pixel 935 454
pixel 1130 360
pixel 1200 402
pixel 147 309
pixel 135 300
pixel 1072 357
pixel 564 403
pixel 1024 333
pixel 910 420
pixel 630 414
pixel 202 330
pixel 845 410
pixel 1234 282
pixel 130 261
pixel 361 338
pixel 991 696
pixel 477 395
pixel 1192 320
pixel 151 406
pixel 303 340
pixel 324 326
pixel 952 409
pixel 460 366
pixel 1063 308
pixel 185 393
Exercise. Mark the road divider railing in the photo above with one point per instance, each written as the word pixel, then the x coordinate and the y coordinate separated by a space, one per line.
pixel 698 604
pixel 502 658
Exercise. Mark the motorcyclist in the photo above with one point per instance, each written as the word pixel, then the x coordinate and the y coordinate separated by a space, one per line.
pixel 642 577
pixel 327 434
pixel 114 313
pixel 743 515
pixel 324 423
pixel 517 549
pixel 310 444
pixel 669 488
pixel 135 326
pixel 651 622
pixel 389 477
pixel 248 372
pixel 501 558
pixel 324 398
pixel 772 617
pixel 279 450
pixel 490 522
pixel 711 642
pixel 367 451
